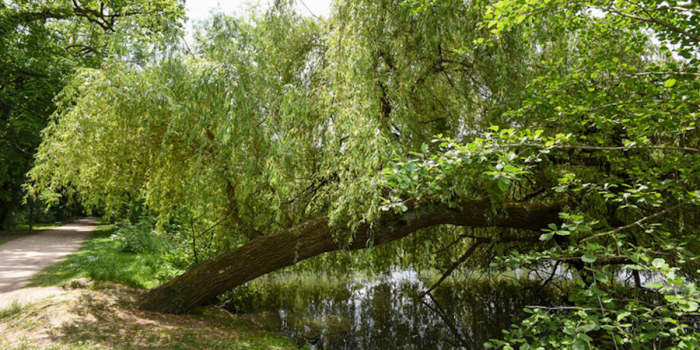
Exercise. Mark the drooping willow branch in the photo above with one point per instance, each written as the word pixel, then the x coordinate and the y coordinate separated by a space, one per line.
pixel 602 148
pixel 470 252
pixel 622 228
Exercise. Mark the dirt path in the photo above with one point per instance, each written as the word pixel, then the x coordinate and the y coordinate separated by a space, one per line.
pixel 23 257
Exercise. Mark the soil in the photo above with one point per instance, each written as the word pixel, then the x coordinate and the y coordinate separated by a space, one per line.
pixel 107 318
pixel 22 257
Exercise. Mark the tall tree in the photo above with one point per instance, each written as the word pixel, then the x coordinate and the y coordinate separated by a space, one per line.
pixel 43 44
pixel 277 122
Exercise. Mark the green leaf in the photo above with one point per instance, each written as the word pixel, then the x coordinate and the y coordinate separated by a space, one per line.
pixel 584 228
pixel 659 263
pixel 588 258
pixel 689 306
pixel 546 236
pixel 579 345
pixel 591 326
pixel 503 184
pixel 669 83
pixel 601 277
pixel 510 168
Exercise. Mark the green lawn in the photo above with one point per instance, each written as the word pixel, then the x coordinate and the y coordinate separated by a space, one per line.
pixel 99 259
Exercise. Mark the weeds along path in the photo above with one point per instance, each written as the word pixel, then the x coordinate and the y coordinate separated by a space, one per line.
pixel 23 257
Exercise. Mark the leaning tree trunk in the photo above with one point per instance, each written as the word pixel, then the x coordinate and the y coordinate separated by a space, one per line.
pixel 265 254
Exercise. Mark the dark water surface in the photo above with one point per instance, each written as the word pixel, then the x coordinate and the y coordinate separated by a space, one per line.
pixel 385 313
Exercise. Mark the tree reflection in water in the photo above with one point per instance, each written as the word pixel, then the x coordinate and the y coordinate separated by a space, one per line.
pixel 386 313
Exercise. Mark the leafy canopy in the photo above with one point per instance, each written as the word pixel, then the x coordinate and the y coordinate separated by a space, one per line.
pixel 281 119
pixel 43 44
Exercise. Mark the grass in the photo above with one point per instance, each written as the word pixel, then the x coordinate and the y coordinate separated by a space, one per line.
pixel 14 309
pixel 108 318
pixel 99 259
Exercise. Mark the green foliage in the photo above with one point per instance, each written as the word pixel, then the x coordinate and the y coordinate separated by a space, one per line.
pixel 635 217
pixel 43 44
pixel 139 238
pixel 279 119
pixel 100 258
pixel 503 157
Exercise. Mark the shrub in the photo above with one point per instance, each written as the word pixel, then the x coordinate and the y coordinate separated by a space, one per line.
pixel 139 238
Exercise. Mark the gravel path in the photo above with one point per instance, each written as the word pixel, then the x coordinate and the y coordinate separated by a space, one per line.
pixel 23 257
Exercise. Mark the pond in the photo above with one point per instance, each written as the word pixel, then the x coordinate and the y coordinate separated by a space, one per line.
pixel 385 312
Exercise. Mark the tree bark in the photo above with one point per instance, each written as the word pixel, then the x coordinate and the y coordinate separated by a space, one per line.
pixel 265 254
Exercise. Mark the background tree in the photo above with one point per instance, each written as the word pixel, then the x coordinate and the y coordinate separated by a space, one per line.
pixel 43 44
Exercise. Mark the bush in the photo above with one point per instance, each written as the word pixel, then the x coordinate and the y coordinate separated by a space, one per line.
pixel 20 215
pixel 139 238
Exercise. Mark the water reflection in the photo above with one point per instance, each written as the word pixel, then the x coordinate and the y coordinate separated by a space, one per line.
pixel 385 312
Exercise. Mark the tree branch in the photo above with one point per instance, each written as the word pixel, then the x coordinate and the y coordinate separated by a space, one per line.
pixel 603 148
pixel 272 252
pixel 452 267
pixel 622 228
pixel 659 22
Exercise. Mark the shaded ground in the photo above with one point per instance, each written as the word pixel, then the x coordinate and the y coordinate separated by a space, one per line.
pixel 108 319
pixel 22 257
pixel 23 230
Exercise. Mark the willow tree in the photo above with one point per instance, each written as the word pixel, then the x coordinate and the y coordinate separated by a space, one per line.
pixel 292 137
pixel 277 131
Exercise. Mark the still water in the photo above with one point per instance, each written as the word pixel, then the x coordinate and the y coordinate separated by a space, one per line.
pixel 385 312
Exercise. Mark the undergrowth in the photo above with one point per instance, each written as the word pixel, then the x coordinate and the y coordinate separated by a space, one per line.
pixel 112 254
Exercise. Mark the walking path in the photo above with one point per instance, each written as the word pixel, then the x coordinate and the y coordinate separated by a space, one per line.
pixel 23 257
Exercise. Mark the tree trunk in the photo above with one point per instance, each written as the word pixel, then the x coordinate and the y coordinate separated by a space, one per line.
pixel 4 211
pixel 265 254
pixel 31 216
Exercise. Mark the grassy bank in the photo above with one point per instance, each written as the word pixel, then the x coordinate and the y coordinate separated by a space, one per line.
pixel 99 259
pixel 105 316
pixel 85 319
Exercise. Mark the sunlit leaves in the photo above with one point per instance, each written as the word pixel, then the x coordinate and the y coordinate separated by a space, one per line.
pixel 199 139
pixel 434 175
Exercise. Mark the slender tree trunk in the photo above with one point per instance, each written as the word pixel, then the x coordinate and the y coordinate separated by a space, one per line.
pixel 31 216
pixel 265 254
pixel 4 211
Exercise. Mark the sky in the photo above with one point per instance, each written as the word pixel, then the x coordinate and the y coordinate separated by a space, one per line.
pixel 200 9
